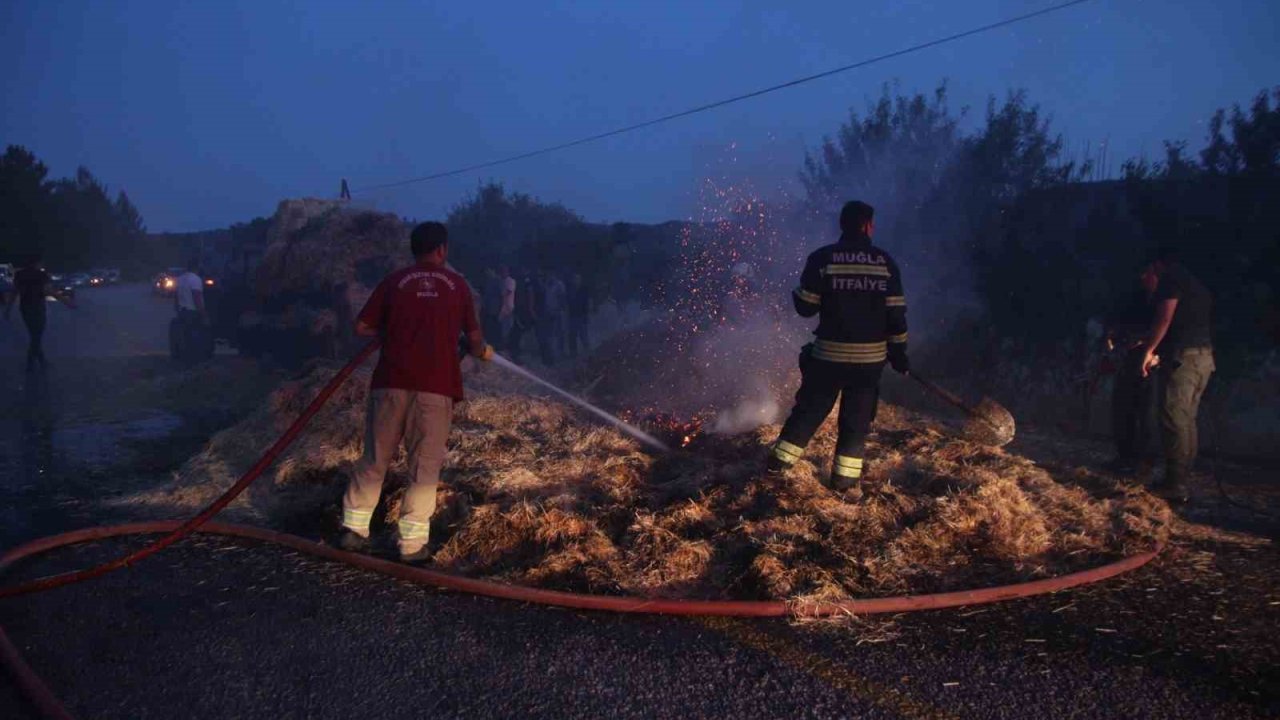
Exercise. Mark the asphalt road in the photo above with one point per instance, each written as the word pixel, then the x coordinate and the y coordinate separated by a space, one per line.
pixel 218 628
pixel 113 321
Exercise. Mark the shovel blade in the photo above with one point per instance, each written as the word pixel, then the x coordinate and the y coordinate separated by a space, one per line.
pixel 990 424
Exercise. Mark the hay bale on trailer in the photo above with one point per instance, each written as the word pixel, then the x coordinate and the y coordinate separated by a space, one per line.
pixel 322 260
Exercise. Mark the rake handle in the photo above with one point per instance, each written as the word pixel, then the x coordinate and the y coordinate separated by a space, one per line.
pixel 943 393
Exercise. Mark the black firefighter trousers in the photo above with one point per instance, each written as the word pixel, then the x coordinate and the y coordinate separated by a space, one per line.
pixel 858 388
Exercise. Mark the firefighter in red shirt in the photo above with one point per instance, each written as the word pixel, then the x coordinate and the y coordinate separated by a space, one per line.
pixel 419 312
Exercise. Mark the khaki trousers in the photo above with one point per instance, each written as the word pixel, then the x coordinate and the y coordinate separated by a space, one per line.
pixel 1183 379
pixel 422 420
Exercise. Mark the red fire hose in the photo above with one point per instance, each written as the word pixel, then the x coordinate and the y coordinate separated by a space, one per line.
pixel 200 518
pixel 175 530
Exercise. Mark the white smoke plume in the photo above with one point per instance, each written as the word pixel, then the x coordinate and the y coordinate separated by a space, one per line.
pixel 749 414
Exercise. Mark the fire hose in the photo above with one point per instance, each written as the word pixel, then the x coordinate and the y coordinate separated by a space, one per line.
pixel 174 530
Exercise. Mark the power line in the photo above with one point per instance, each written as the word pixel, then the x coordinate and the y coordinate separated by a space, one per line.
pixel 727 101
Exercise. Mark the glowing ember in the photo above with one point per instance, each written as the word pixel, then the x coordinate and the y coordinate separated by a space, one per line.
pixel 672 429
pixel 723 334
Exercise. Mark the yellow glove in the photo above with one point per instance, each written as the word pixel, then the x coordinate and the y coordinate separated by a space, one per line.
pixel 487 354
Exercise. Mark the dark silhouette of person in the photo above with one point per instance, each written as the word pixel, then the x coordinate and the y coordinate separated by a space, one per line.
pixel 1178 350
pixel 579 313
pixel 491 306
pixel 1132 395
pixel 544 321
pixel 31 286
pixel 345 193
pixel 526 314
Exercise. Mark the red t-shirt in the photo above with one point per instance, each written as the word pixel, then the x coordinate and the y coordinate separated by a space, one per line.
pixel 420 312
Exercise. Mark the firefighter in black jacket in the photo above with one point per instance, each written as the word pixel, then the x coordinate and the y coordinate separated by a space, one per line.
pixel 856 290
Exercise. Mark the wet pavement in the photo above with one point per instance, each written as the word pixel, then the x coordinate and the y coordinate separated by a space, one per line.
pixel 114 321
pixel 221 628
pixel 47 440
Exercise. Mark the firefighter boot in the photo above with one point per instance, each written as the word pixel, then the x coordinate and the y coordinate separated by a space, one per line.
pixel 1145 471
pixel 1173 488
pixel 782 457
pixel 418 557
pixel 351 541
pixel 846 472
pixel 1173 494
pixel 850 492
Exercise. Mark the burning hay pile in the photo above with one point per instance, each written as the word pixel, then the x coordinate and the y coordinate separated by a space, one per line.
pixel 690 374
pixel 535 494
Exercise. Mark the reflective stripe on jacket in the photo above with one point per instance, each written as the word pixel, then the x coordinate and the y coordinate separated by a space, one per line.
pixel 855 288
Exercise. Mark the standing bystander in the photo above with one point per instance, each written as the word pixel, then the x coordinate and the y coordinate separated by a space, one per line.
pixel 1179 349
pixel 579 313
pixel 31 286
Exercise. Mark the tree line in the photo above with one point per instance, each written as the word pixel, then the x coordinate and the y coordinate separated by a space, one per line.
pixel 995 223
pixel 494 227
pixel 73 223
pixel 995 226
pixel 1072 251
pixel 998 229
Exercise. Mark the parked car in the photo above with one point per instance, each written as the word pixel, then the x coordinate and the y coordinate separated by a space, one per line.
pixel 62 286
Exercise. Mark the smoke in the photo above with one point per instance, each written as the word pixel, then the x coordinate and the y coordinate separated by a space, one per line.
pixel 731 332
pixel 720 346
pixel 751 412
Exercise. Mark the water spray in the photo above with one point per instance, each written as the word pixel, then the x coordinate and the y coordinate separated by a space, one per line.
pixel 631 430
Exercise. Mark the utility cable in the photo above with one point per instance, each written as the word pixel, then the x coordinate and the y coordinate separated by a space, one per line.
pixel 727 101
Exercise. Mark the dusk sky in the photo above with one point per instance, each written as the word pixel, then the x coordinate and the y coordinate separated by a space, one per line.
pixel 209 113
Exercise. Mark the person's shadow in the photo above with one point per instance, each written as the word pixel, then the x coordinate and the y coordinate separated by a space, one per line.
pixel 36 440
pixel 30 480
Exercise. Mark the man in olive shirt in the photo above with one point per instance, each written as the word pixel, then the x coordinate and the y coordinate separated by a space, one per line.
pixel 1179 347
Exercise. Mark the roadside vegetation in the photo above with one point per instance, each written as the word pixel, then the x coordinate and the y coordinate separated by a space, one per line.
pixel 74 223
